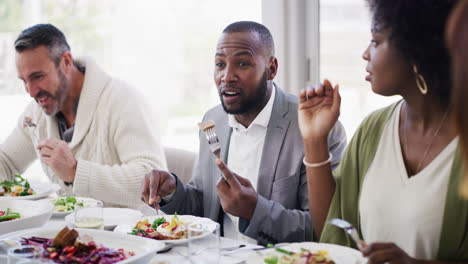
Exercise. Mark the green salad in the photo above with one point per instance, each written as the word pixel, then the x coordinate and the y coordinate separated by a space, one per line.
pixel 65 204
pixel 7 215
pixel 19 186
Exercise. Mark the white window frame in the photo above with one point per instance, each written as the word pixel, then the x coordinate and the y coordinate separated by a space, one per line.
pixel 295 26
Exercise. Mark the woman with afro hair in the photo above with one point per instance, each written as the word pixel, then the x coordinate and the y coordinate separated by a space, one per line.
pixel 399 178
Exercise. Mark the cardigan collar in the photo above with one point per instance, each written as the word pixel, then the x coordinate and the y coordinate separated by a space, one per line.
pixel 95 81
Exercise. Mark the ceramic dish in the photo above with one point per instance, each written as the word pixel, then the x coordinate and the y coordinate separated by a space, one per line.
pixel 42 189
pixel 33 214
pixel 144 249
pixel 339 254
pixel 207 223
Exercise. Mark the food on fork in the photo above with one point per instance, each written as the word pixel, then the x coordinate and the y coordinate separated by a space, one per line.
pixel 208 127
pixel 161 229
pixel 69 247
pixel 19 186
pixel 28 122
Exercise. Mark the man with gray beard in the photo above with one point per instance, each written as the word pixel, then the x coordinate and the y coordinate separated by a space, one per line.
pixel 260 195
pixel 92 133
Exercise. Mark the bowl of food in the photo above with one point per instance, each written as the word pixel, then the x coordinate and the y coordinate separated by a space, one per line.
pixel 66 205
pixel 307 253
pixel 21 189
pixel 22 214
pixel 17 187
pixel 87 245
pixel 168 228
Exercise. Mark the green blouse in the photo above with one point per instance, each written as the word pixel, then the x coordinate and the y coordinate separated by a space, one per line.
pixel 349 177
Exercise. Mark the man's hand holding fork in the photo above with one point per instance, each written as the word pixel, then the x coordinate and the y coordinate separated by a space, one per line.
pixel 157 184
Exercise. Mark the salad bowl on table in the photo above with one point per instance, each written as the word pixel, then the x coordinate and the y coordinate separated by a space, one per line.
pixel 31 214
pixel 65 205
pixel 21 189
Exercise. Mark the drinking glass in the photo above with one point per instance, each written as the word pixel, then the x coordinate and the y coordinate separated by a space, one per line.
pixel 26 255
pixel 89 215
pixel 202 247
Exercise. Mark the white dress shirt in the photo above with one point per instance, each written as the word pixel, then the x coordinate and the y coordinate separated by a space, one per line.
pixel 244 157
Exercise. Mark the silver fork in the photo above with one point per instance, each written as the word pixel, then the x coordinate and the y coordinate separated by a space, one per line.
pixel 29 123
pixel 348 227
pixel 208 128
pixel 213 141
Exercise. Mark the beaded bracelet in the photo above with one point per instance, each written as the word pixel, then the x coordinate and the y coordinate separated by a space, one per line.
pixel 318 164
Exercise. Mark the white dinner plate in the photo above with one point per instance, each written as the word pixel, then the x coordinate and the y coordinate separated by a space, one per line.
pixel 33 214
pixel 207 223
pixel 144 249
pixel 64 213
pixel 339 254
pixel 113 217
pixel 42 189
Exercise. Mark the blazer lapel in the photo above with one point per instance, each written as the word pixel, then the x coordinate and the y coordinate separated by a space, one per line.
pixel 276 132
pixel 223 131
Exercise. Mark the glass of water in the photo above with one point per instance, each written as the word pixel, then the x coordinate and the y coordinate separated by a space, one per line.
pixel 204 243
pixel 89 215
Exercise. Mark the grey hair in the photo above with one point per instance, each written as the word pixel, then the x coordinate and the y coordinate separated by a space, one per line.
pixel 43 35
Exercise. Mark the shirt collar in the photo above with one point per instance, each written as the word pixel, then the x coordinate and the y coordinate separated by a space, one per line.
pixel 262 119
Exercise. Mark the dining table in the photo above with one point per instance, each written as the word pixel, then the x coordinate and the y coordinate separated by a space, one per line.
pixel 231 251
pixel 205 248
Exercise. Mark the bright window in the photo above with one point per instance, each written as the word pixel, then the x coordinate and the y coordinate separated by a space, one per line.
pixel 344 35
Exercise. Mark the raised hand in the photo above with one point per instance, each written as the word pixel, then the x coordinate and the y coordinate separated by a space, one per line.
pixel 319 110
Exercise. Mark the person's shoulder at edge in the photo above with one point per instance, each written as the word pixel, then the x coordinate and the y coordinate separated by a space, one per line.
pixel 373 122
pixel 291 99
pixel 123 90
pixel 123 97
pixel 115 89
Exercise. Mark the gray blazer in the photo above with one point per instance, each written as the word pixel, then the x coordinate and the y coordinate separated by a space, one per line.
pixel 282 210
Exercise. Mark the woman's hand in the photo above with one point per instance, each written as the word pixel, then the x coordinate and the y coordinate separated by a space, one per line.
pixel 387 253
pixel 319 110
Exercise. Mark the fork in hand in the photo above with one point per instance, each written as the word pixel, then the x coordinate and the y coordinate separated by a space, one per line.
pixel 348 227
pixel 208 128
pixel 29 123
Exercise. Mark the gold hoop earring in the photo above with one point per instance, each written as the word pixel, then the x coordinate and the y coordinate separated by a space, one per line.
pixel 420 81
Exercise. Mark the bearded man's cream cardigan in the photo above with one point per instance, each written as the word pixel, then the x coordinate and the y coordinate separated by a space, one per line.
pixel 114 142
